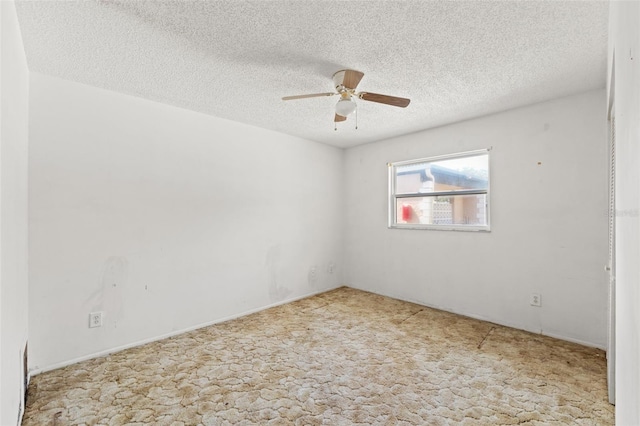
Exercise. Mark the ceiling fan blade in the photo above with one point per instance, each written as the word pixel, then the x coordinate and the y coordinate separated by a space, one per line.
pixel 384 99
pixel 339 118
pixel 312 95
pixel 352 79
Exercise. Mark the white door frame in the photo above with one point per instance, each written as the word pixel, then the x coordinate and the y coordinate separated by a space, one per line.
pixel 611 265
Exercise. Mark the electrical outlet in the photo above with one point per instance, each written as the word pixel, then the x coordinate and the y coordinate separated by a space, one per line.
pixel 535 299
pixel 95 319
pixel 331 267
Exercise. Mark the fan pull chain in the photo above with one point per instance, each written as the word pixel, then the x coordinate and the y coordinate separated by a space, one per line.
pixel 335 126
pixel 356 119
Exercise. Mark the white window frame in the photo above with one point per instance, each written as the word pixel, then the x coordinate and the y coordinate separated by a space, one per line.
pixel 393 197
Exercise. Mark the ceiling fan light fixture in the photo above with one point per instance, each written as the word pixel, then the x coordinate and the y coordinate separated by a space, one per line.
pixel 345 107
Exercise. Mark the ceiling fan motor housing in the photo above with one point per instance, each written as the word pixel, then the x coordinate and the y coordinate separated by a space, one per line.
pixel 338 80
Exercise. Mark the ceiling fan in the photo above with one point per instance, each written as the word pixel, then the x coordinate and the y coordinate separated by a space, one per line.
pixel 345 82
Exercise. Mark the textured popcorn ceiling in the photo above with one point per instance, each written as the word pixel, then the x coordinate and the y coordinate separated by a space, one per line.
pixel 236 59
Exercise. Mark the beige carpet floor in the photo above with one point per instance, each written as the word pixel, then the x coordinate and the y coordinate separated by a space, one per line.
pixel 340 358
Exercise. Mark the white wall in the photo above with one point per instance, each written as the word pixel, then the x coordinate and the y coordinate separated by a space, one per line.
pixel 165 219
pixel 624 39
pixel 548 222
pixel 14 88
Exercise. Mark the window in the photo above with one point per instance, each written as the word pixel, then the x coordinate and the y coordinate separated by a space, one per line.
pixel 447 192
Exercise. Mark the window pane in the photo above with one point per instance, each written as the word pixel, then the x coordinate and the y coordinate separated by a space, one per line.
pixel 449 210
pixel 470 172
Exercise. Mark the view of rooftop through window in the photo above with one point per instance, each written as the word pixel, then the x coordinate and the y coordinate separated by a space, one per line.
pixel 449 192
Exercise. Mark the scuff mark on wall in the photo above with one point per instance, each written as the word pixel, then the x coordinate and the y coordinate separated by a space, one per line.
pixel 277 293
pixel 114 280
pixel 312 277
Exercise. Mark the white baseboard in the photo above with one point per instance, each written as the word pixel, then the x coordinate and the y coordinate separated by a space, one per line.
pixel 109 351
pixel 493 321
pixel 283 302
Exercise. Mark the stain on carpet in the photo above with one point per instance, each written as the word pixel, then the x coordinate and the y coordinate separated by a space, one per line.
pixel 339 358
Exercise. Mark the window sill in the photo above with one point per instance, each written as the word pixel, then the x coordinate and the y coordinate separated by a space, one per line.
pixel 463 228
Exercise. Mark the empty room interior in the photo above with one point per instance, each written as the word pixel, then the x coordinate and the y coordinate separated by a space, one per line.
pixel 206 218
